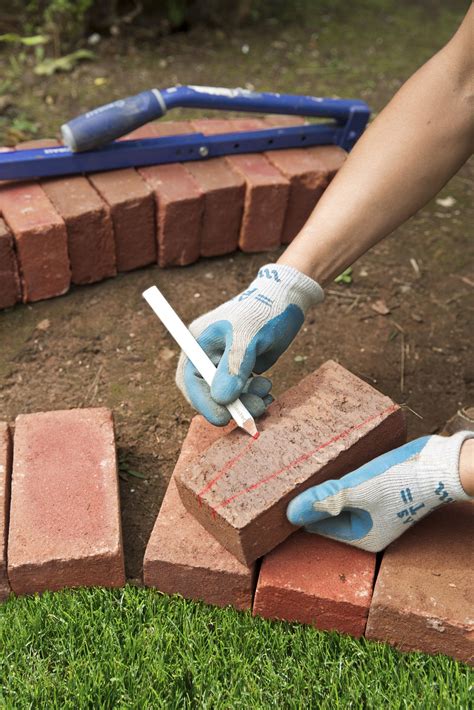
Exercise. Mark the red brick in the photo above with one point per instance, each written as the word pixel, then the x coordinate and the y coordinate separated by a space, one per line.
pixel 281 121
pixel 5 475
pixel 309 171
pixel 10 291
pixel 267 191
pixel 329 424
pixel 313 580
pixel 214 126
pixel 40 239
pixel 224 192
pixel 132 207
pixel 423 597
pixel 65 515
pixel 38 143
pixel 181 556
pixel 160 129
pixel 89 226
pixel 180 209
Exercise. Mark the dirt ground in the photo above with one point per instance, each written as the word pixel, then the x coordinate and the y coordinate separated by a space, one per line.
pixel 101 345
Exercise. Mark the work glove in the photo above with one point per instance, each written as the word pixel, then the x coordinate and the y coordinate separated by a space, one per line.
pixel 247 335
pixel 375 504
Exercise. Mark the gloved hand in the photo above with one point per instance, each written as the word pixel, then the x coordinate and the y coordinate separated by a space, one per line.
pixel 244 335
pixel 375 504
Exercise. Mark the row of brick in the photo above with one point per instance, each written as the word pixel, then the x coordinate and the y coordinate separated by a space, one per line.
pixel 64 530
pixel 420 600
pixel 80 230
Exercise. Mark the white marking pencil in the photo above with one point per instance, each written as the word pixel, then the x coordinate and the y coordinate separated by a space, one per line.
pixel 195 353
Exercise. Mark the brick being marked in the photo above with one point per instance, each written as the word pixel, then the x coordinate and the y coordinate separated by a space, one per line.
pixel 329 424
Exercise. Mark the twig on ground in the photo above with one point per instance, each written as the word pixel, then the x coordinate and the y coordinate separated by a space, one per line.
pixel 342 294
pixel 405 406
pixel 354 303
pixel 92 390
pixel 402 354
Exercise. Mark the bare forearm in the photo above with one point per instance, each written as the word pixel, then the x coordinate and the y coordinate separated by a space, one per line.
pixel 466 467
pixel 409 152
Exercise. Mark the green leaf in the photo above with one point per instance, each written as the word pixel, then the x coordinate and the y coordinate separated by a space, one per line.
pixel 66 63
pixel 136 474
pixel 27 41
pixel 345 277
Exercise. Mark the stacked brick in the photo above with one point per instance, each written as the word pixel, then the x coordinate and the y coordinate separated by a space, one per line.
pixel 82 229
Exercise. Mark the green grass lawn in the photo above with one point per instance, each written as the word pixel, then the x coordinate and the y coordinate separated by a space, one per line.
pixel 134 648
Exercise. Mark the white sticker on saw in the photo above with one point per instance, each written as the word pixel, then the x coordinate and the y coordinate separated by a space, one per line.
pixel 218 91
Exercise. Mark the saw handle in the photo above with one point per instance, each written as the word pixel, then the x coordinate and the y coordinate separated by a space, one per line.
pixel 104 124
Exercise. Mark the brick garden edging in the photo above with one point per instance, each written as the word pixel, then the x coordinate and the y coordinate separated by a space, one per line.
pixel 82 229
pixel 64 531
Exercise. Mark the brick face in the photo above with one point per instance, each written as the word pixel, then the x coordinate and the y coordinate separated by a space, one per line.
pixel 180 208
pixel 65 526
pixel 90 237
pixel 423 597
pixel 10 290
pixel 223 191
pixel 40 240
pixel 88 222
pixel 132 208
pixel 313 580
pixel 309 171
pixel 181 556
pixel 267 190
pixel 327 425
pixel 5 475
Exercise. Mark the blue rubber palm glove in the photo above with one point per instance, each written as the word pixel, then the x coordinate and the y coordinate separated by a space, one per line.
pixel 375 504
pixel 247 335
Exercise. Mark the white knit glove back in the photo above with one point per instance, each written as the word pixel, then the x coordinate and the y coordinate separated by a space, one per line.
pixel 373 505
pixel 247 335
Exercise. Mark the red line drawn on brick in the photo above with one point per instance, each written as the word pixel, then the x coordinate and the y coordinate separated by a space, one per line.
pixel 227 466
pixel 300 459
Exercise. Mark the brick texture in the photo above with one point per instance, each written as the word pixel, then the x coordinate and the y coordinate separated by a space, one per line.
pixel 223 191
pixel 159 129
pixel 327 425
pixel 180 210
pixel 179 201
pixel 266 193
pixel 5 475
pixel 65 515
pixel 87 218
pixel 40 239
pixel 10 291
pixel 309 171
pixel 181 556
pixel 423 597
pixel 313 580
pixel 132 207
pixel 89 228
